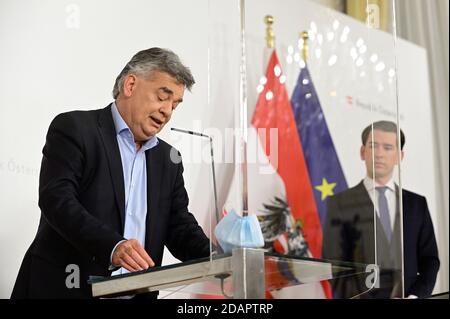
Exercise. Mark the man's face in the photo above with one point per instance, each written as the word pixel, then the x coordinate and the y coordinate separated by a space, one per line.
pixel 380 154
pixel 152 102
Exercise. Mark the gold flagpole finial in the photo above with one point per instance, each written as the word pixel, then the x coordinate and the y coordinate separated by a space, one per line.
pixel 305 52
pixel 270 38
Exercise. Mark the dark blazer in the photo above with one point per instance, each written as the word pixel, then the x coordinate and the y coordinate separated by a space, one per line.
pixel 82 202
pixel 349 236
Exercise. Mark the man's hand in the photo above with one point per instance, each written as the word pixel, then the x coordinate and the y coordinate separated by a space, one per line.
pixel 132 256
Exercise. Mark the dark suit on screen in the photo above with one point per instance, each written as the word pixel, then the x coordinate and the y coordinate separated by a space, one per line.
pixel 349 235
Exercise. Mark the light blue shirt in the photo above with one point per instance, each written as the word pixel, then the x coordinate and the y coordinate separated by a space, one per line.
pixel 135 180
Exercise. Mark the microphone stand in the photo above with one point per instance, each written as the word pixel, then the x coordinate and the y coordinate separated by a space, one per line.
pixel 212 164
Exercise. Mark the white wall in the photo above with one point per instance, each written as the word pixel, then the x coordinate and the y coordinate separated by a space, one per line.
pixel 57 56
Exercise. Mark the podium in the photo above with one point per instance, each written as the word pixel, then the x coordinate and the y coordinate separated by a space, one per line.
pixel 245 274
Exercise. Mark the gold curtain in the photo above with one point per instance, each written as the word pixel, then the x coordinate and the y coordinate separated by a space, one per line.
pixel 375 13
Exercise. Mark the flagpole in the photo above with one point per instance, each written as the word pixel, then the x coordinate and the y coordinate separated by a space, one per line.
pixel 270 41
pixel 270 38
pixel 305 51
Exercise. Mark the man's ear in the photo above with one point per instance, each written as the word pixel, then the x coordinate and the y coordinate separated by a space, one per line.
pixel 129 84
pixel 402 154
pixel 362 150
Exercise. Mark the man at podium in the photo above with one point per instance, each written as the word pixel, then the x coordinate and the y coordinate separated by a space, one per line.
pixel 110 192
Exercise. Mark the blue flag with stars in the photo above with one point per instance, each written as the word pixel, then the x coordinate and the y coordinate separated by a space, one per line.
pixel 323 164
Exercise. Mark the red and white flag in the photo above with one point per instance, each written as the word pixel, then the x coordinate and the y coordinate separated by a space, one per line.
pixel 279 186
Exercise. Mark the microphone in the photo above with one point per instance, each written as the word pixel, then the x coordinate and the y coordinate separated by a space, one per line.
pixel 212 163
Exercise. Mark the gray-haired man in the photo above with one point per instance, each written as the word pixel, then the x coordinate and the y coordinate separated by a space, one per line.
pixel 110 196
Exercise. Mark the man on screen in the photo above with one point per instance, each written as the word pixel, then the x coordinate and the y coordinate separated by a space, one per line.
pixel 350 233
pixel 111 196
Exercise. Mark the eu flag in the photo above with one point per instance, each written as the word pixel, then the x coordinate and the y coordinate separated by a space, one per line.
pixel 323 164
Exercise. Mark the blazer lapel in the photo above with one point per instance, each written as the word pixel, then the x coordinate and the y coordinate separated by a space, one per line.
pixel 364 203
pixel 396 240
pixel 108 134
pixel 155 169
pixel 366 221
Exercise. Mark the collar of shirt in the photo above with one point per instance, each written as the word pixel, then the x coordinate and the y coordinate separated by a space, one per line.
pixel 123 130
pixel 370 184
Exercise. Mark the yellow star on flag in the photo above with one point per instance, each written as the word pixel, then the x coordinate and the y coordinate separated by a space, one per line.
pixel 326 189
